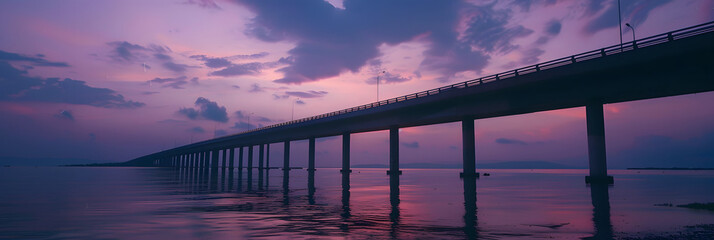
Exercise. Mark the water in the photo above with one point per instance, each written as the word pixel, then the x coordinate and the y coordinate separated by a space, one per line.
pixel 156 203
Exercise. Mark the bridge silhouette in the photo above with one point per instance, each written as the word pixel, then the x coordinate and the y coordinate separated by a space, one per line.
pixel 674 63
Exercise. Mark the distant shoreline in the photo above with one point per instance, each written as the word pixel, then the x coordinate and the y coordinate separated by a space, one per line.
pixel 673 168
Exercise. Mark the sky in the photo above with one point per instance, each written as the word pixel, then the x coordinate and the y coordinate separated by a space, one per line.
pixel 109 81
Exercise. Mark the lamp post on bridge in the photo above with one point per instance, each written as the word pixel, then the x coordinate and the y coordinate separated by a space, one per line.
pixel 378 74
pixel 634 45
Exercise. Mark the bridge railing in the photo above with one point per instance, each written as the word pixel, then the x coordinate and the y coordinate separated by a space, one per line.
pixel 594 54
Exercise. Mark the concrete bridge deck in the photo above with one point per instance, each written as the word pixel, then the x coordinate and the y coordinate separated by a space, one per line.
pixel 670 64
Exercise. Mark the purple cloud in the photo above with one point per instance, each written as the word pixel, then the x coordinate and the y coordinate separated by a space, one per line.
pixel 16 85
pixel 207 109
pixel 633 11
pixel 36 61
pixel 239 69
pixel 308 94
pixel 176 83
pixel 65 114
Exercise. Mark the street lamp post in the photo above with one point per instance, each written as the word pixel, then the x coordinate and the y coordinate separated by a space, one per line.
pixel 378 74
pixel 293 111
pixel 634 45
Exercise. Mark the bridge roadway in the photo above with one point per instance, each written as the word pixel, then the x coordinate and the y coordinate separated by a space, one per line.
pixel 670 64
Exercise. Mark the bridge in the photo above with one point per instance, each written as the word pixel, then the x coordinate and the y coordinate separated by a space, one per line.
pixel 674 63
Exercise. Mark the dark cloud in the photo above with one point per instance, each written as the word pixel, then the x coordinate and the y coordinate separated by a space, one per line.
pixel 239 69
pixel 255 88
pixel 525 5
pixel 189 113
pixel 123 51
pixel 149 93
pixel 553 27
pixel 207 109
pixel 176 83
pixel 510 141
pixel 276 96
pixel 38 60
pixel 16 85
pixel 241 116
pixel 300 102
pixel 531 56
pixel 411 144
pixel 489 29
pixel 308 94
pixel 329 41
pixel 387 77
pixel 236 86
pixel 634 12
pixel 210 4
pixel 213 62
pixel 197 130
pixel 249 56
pixel 65 114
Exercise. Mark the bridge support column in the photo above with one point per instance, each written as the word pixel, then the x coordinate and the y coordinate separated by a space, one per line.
pixel 394 152
pixel 286 156
pixel 225 158
pixel 267 157
pixel 214 159
pixel 345 153
pixel 231 158
pixel 240 159
pixel 311 155
pixel 250 159
pixel 596 145
pixel 261 156
pixel 469 145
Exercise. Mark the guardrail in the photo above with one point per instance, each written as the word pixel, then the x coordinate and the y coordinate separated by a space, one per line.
pixel 594 54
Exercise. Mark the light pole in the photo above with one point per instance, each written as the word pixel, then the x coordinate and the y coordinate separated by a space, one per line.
pixel 633 34
pixel 378 84
pixel 293 112
pixel 619 21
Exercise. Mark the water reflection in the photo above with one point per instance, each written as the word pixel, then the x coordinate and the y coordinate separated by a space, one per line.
pixel 366 204
pixel 601 211
pixel 311 187
pixel 394 203
pixel 470 218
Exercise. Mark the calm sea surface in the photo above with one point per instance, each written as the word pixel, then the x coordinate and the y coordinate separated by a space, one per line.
pixel 156 203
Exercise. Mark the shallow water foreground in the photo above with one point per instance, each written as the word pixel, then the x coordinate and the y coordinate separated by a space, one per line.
pixel 156 203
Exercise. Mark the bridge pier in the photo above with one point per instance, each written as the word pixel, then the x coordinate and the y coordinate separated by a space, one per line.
pixel 267 158
pixel 231 158
pixel 250 159
pixel 240 159
pixel 394 152
pixel 469 145
pixel 311 155
pixel 214 159
pixel 225 158
pixel 286 156
pixel 597 157
pixel 345 153
pixel 261 156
